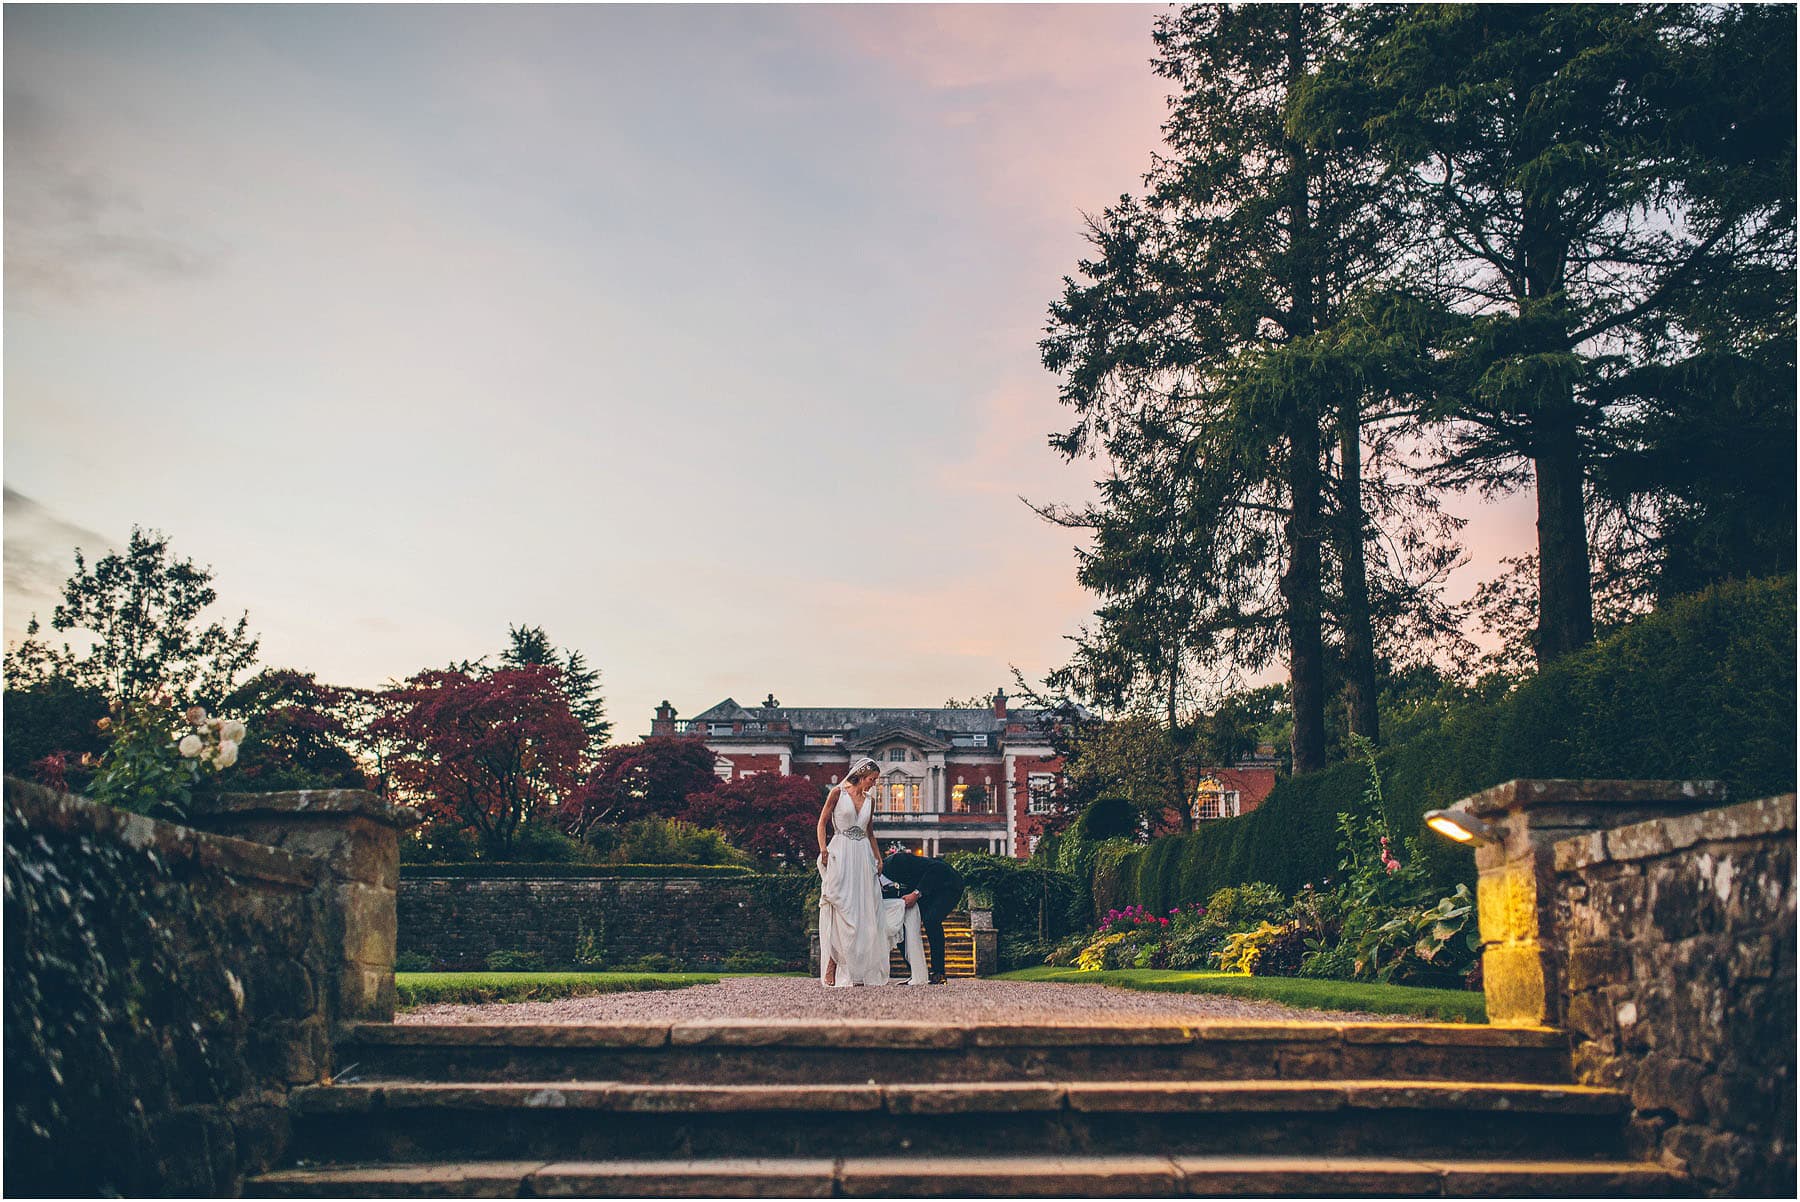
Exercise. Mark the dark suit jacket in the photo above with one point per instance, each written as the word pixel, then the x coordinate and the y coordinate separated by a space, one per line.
pixel 940 886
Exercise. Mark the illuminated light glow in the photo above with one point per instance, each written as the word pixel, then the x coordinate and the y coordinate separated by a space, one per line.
pixel 1464 828
pixel 1444 826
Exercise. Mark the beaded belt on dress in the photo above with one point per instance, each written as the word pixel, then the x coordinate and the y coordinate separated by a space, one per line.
pixel 854 832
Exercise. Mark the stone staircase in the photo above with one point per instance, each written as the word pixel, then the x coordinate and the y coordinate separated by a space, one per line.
pixel 819 1109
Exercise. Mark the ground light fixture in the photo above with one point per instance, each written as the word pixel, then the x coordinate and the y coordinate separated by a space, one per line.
pixel 1461 826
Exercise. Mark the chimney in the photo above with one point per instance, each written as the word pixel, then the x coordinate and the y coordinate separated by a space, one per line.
pixel 1000 704
pixel 665 720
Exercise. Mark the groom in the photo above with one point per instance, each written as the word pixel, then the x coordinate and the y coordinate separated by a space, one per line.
pixel 934 887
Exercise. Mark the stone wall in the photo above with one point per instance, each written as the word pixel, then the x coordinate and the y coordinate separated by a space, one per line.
pixel 164 988
pixel 1678 937
pixel 456 921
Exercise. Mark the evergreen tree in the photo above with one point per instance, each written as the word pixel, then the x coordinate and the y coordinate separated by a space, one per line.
pixel 1187 353
pixel 1583 174
pixel 580 683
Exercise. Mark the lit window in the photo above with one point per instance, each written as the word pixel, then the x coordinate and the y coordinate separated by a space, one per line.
pixel 896 794
pixel 822 740
pixel 957 793
pixel 912 800
pixel 1213 800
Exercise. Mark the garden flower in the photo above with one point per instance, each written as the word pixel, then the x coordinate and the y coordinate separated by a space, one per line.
pixel 227 755
pixel 232 731
pixel 104 724
pixel 189 746
pixel 195 715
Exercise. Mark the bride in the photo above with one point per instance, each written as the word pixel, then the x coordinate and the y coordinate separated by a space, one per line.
pixel 855 928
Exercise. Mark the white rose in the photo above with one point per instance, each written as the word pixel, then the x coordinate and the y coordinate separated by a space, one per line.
pixel 232 731
pixel 190 746
pixel 195 715
pixel 227 754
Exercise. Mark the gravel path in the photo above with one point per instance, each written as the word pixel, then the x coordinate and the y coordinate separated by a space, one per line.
pixel 955 1002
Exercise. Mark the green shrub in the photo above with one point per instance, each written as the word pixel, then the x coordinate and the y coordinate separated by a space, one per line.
pixel 1115 874
pixel 1243 907
pixel 655 962
pixel 1704 688
pixel 753 962
pixel 1106 818
pixel 537 843
pixel 412 962
pixel 671 841
pixel 516 962
pixel 1243 949
pixel 437 843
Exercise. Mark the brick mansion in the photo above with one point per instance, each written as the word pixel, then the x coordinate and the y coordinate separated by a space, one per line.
pixel 951 779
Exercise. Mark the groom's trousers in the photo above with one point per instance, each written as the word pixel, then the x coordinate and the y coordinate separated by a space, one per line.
pixel 932 912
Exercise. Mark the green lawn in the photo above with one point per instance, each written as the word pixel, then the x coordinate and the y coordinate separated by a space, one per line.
pixel 469 988
pixel 1442 1005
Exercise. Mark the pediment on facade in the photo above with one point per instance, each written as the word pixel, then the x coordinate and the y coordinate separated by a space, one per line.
pixel 896 734
pixel 727 710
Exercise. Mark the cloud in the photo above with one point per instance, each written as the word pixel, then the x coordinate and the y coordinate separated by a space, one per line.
pixel 73 230
pixel 40 554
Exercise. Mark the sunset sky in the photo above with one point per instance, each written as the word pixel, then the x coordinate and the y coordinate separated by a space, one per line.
pixel 704 337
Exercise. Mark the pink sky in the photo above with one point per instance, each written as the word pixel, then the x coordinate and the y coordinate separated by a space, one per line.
pixel 703 337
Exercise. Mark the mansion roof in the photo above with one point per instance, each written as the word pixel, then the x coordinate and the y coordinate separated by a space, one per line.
pixel 858 729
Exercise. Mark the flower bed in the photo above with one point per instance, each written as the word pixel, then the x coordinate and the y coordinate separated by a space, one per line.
pixel 1381 920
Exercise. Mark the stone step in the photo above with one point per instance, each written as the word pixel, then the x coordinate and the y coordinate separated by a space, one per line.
pixel 794 1051
pixel 1035 1176
pixel 412 1121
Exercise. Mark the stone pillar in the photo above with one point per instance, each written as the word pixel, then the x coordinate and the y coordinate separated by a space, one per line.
pixel 1521 960
pixel 987 939
pixel 355 835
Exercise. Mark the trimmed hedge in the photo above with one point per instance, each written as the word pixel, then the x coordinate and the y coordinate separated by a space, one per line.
pixel 1704 688
pixel 508 869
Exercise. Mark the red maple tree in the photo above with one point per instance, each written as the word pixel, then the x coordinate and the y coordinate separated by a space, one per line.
pixel 770 816
pixel 488 752
pixel 639 780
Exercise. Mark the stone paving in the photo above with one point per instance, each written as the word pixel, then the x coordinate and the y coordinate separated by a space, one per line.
pixel 958 1001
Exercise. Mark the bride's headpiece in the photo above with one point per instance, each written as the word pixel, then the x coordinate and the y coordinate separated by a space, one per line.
pixel 865 764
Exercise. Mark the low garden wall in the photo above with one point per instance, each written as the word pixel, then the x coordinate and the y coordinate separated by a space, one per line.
pixel 164 987
pixel 1678 938
pixel 593 918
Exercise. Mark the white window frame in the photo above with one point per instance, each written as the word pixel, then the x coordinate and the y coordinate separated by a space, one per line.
pixel 1040 789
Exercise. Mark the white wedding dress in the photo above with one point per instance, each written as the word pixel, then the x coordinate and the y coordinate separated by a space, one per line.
pixel 856 927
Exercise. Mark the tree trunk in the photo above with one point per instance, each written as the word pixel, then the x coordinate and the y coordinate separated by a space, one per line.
pixel 1565 592
pixel 1300 591
pixel 1178 761
pixel 1300 583
pixel 1359 634
pixel 1565 588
